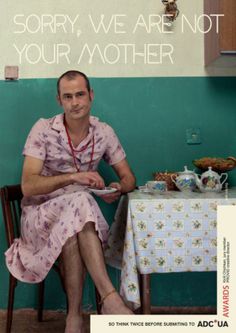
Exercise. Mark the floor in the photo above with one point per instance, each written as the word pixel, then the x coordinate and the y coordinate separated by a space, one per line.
pixel 25 321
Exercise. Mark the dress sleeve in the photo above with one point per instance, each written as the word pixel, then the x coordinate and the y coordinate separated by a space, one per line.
pixel 35 143
pixel 114 151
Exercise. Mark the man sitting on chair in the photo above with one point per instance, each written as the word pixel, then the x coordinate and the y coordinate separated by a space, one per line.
pixel 59 215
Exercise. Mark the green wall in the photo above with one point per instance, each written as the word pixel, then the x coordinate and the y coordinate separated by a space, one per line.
pixel 151 116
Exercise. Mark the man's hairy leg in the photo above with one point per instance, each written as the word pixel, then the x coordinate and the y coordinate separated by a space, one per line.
pixel 92 254
pixel 73 274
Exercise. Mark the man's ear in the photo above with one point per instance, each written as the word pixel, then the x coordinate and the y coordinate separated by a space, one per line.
pixel 59 100
pixel 91 95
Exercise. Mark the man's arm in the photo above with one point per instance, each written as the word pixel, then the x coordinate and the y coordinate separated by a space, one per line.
pixel 127 179
pixel 34 183
pixel 126 184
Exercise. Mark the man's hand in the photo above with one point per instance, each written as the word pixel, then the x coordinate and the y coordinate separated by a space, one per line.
pixel 109 198
pixel 91 178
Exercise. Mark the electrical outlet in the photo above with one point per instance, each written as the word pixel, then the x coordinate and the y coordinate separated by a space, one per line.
pixel 193 136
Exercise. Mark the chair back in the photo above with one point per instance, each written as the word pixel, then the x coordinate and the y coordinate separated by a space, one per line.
pixel 11 199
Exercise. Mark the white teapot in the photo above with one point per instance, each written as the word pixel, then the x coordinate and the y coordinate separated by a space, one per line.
pixel 210 181
pixel 185 180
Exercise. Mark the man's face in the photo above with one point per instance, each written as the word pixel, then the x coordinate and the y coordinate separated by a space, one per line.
pixel 75 98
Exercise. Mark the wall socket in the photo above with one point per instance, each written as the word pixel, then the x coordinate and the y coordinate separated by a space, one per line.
pixel 193 136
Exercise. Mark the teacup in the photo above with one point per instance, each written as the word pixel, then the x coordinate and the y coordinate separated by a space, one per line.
pixel 157 186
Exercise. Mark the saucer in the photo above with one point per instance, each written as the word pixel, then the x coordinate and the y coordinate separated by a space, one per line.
pixel 144 189
pixel 105 190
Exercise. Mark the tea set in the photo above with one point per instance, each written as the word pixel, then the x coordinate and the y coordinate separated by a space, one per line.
pixel 187 180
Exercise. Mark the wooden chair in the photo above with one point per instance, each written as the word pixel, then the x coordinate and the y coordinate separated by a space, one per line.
pixel 11 198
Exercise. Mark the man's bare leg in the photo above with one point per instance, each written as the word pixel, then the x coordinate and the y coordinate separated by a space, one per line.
pixel 92 254
pixel 74 274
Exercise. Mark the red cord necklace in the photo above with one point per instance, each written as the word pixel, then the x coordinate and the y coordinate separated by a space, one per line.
pixel 73 151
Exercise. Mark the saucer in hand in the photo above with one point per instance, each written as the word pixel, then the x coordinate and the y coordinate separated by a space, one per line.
pixel 103 191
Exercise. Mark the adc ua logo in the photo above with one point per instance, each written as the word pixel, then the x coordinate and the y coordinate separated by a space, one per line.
pixel 211 323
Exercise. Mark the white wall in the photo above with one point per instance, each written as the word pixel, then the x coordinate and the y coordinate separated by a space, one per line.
pixel 65 30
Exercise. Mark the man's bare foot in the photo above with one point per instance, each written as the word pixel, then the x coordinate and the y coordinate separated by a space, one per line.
pixel 74 324
pixel 113 304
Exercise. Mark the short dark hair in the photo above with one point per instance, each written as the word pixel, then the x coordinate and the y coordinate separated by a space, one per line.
pixel 71 75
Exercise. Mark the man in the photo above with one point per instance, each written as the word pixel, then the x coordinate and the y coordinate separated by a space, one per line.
pixel 59 215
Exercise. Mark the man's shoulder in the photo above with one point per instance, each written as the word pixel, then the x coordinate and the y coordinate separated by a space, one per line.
pixel 48 123
pixel 100 125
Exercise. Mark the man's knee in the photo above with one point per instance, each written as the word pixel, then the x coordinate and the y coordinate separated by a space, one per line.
pixel 89 226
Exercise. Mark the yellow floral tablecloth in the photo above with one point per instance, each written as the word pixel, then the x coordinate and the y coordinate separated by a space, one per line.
pixel 172 232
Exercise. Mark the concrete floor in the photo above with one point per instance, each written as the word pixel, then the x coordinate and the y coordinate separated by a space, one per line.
pixel 25 321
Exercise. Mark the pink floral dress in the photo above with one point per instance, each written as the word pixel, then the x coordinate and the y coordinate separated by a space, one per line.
pixel 49 220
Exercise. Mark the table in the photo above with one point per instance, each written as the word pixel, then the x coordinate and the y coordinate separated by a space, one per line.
pixel 171 232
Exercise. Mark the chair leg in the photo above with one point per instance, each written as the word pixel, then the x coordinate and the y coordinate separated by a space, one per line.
pixel 11 294
pixel 145 293
pixel 40 300
pixel 98 301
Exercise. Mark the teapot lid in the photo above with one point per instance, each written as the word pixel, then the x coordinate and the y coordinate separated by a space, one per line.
pixel 210 172
pixel 186 171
